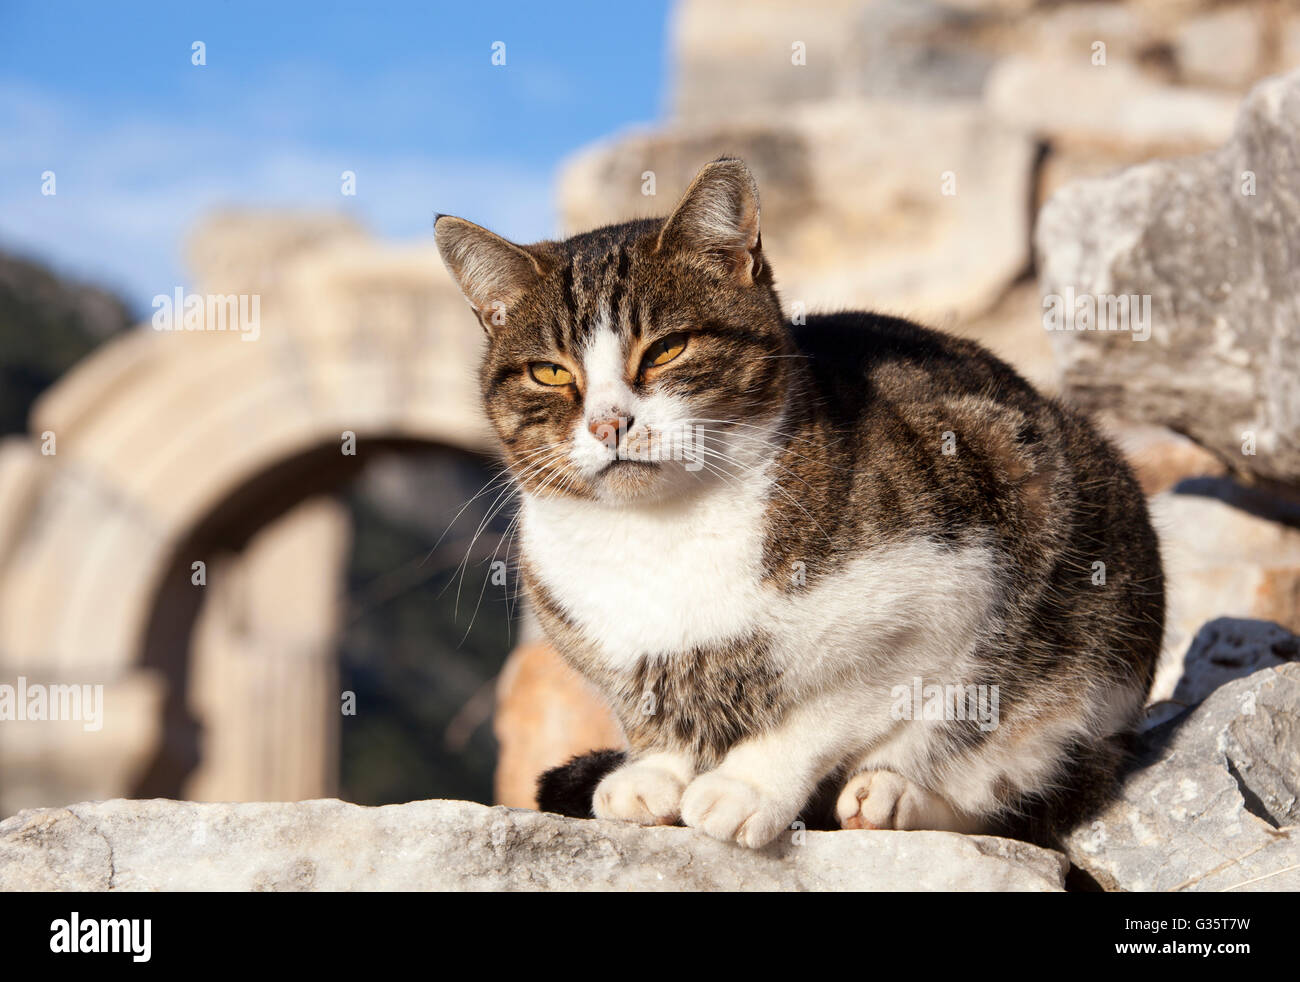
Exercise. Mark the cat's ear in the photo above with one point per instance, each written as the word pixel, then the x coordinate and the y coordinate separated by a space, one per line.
pixel 717 220
pixel 491 271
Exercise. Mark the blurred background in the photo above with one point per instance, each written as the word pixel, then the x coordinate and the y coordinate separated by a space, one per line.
pixel 270 546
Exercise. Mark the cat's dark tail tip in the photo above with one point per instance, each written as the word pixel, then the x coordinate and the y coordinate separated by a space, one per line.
pixel 568 789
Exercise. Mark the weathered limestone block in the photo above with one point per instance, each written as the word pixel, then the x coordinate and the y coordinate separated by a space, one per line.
pixel 913 208
pixel 905 49
pixel 1221 47
pixel 1110 107
pixel 455 845
pixel 247 251
pixel 1211 241
pixel 1214 804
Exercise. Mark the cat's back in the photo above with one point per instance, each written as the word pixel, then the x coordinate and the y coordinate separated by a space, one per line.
pixel 933 435
pixel 857 358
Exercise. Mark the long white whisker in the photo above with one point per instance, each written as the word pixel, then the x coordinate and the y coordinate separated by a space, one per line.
pixel 509 490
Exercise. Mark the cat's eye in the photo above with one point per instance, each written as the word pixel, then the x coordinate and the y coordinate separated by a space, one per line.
pixel 664 350
pixel 550 374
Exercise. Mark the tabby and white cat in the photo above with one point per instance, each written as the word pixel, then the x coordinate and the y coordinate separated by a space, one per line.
pixel 768 544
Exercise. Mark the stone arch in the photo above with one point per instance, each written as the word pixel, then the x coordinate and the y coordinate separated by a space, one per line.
pixel 156 429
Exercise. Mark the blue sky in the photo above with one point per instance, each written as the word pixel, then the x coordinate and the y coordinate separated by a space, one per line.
pixel 142 142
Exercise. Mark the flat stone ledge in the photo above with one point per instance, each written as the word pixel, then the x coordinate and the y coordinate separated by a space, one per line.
pixel 456 845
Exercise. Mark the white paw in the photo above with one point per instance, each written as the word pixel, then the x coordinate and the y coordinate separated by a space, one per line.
pixel 730 809
pixel 639 792
pixel 885 800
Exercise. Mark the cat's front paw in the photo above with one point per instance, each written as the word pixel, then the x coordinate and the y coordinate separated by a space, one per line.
pixel 734 810
pixel 642 792
pixel 885 800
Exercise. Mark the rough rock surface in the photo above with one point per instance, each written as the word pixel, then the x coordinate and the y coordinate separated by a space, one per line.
pixel 1213 805
pixel 1115 108
pixel 1223 561
pixel 905 49
pixel 1212 241
pixel 938 229
pixel 455 845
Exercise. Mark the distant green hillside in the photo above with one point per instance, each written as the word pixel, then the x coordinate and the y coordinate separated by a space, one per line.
pixel 47 324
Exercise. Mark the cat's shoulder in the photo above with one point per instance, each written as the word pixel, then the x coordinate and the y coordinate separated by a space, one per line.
pixel 855 343
pixel 858 358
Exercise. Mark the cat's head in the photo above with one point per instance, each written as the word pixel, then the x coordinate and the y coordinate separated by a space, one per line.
pixel 635 362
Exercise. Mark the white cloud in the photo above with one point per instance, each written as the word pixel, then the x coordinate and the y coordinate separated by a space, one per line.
pixel 130 189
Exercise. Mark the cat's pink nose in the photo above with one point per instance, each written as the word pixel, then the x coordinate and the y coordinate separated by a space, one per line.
pixel 606 429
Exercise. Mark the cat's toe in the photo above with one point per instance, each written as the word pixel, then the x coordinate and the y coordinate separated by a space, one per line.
pixel 885 800
pixel 870 800
pixel 640 793
pixel 733 810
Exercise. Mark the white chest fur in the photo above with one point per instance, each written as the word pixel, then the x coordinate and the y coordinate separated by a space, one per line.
pixel 665 580
pixel 652 581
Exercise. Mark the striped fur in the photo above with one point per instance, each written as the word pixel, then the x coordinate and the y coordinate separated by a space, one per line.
pixel 869 505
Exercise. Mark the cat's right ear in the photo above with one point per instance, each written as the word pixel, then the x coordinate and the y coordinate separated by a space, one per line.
pixel 717 220
pixel 491 272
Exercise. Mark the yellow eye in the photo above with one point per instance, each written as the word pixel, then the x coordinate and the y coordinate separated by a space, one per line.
pixel 664 350
pixel 549 374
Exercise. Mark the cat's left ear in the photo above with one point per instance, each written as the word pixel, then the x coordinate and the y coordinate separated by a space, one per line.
pixel 491 271
pixel 717 220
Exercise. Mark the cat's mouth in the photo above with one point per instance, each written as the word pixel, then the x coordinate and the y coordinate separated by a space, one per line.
pixel 622 465
pixel 627 480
